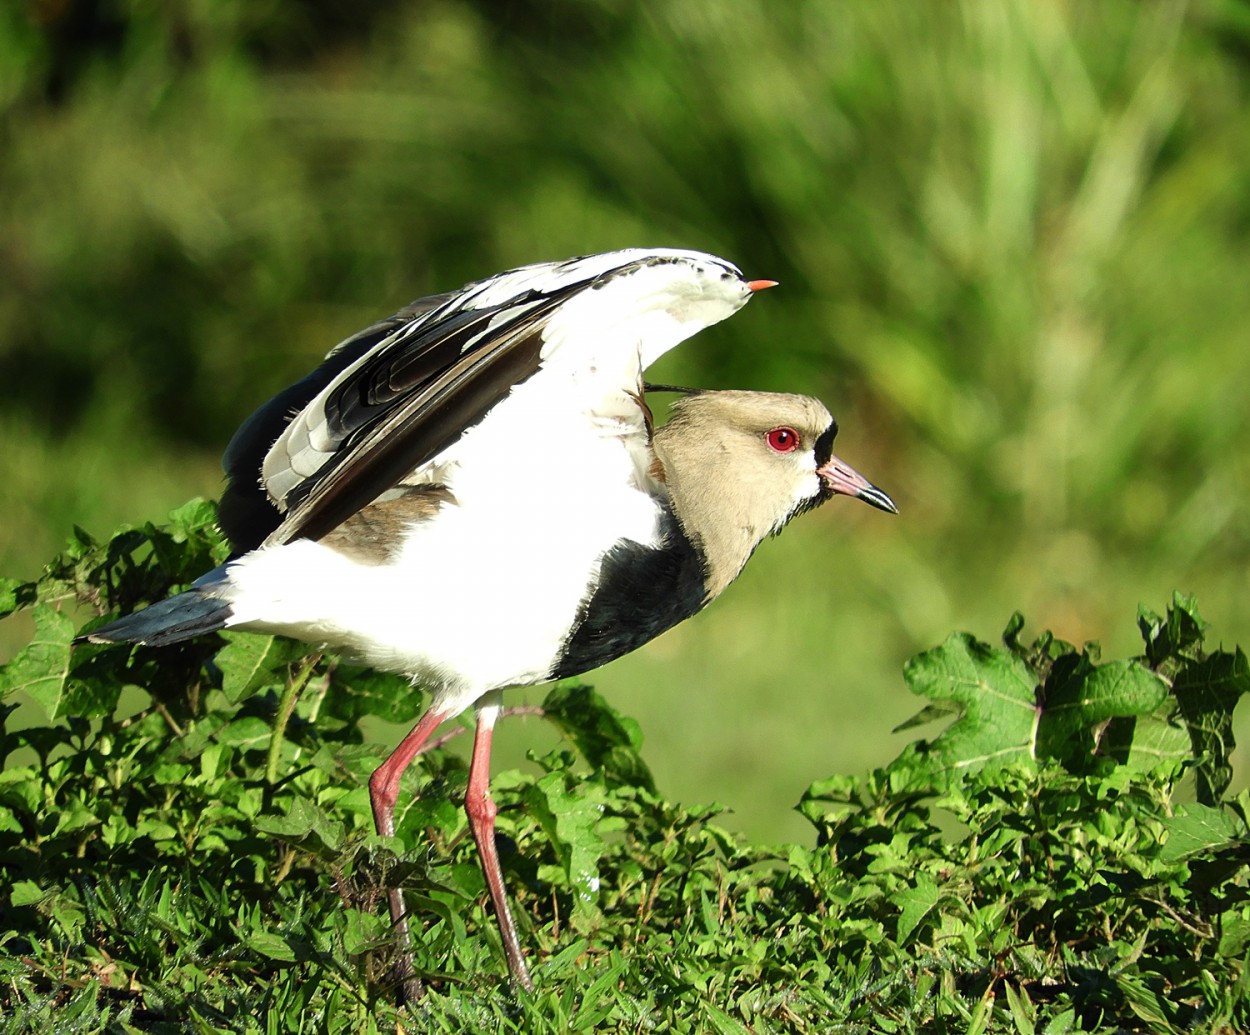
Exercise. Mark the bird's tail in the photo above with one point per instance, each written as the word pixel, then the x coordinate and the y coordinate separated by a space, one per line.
pixel 197 611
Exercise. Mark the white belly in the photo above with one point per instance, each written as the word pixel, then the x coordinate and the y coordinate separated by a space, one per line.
pixel 481 596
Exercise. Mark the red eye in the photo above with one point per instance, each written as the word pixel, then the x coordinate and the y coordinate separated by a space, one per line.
pixel 783 440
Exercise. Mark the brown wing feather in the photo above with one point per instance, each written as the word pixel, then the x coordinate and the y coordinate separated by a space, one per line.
pixel 372 535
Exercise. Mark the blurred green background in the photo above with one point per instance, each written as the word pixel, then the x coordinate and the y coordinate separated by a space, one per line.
pixel 1012 239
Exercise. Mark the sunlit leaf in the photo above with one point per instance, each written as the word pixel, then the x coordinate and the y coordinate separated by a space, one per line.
pixel 41 669
pixel 250 662
pixel 995 694
pixel 1198 828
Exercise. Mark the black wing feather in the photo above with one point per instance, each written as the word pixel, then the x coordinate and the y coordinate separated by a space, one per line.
pixel 407 404
pixel 247 514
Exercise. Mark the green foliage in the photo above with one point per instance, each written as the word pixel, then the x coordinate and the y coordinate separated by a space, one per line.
pixel 1170 710
pixel 196 851
pixel 1010 237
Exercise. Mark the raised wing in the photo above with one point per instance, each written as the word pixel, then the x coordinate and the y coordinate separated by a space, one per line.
pixel 394 397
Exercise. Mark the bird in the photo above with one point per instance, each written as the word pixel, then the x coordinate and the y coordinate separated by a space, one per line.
pixel 474 493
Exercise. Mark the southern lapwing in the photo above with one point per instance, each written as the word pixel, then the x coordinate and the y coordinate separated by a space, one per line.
pixel 472 493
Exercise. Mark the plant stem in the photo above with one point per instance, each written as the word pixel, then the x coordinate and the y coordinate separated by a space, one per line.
pixel 286 707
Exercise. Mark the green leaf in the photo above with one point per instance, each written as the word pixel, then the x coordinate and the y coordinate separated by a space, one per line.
pixel 1147 743
pixel 608 741
pixel 1023 1012
pixel 26 893
pixel 91 697
pixel 995 696
pixel 363 931
pixel 195 517
pixel 571 814
pixel 249 662
pixel 929 713
pixel 1235 932
pixel 272 945
pixel 1084 696
pixel 355 692
pixel 1193 829
pixel 1207 693
pixel 189 545
pixel 41 669
pixel 15 595
pixel 915 903
pixel 1084 714
pixel 1177 636
pixel 1147 1003
pixel 723 1023
pixel 1061 1023
pixel 248 733
pixel 304 825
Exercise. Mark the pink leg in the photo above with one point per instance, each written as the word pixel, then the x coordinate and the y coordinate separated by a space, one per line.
pixel 383 793
pixel 482 811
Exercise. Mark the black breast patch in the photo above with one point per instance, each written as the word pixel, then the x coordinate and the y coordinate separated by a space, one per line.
pixel 642 592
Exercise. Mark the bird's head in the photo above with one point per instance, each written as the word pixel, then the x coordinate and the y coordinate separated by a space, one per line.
pixel 741 465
